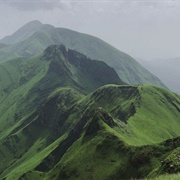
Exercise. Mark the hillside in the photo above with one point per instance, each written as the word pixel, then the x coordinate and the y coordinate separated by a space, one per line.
pixel 114 132
pixel 127 68
pixel 66 116
pixel 56 124
pixel 28 82
pixel 167 70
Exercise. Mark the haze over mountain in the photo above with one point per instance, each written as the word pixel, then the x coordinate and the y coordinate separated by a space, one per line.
pixel 147 29
pixel 128 69
pixel 56 124
pixel 167 70
pixel 24 32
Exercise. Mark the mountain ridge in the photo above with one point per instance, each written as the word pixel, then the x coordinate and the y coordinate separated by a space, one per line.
pixel 67 116
pixel 82 124
pixel 127 68
pixel 33 79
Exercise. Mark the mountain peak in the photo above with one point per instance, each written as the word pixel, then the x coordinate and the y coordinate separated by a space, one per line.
pixel 75 66
pixel 55 50
pixel 23 33
pixel 34 22
pixel 36 40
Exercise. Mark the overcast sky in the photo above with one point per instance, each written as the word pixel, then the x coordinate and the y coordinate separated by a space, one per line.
pixel 143 28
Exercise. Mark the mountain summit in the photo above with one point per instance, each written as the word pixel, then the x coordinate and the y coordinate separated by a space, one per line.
pixel 24 32
pixel 75 69
pixel 28 42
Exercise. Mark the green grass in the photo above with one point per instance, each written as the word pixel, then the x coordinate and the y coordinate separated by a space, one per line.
pixel 168 177
pixel 114 145
pixel 144 114
pixel 90 158
pixel 29 162
pixel 10 100
pixel 52 127
pixel 154 117
pixel 82 160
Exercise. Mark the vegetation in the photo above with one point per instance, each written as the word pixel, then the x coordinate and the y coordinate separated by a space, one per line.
pixel 97 144
pixel 65 116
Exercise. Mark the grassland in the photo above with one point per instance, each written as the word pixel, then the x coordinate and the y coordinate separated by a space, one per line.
pixel 62 120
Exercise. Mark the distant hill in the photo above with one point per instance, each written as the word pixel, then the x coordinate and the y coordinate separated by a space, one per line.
pixel 25 45
pixel 167 70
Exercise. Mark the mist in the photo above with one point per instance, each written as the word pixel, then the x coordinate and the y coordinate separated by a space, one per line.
pixel 145 30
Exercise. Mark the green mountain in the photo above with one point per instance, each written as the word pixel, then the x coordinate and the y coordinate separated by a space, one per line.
pixel 28 82
pixel 75 137
pixel 60 120
pixel 127 68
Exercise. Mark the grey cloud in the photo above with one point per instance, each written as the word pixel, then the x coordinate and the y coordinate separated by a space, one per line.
pixel 146 29
pixel 159 4
pixel 35 5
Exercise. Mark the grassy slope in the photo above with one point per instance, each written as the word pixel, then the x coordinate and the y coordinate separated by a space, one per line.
pixel 21 75
pixel 109 128
pixel 17 77
pixel 157 106
pixel 105 156
pixel 152 112
pixel 127 68
pixel 104 143
pixel 35 139
pixel 100 153
pixel 28 83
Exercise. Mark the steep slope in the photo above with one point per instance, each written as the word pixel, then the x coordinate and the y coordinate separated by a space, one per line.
pixel 56 124
pixel 135 108
pixel 127 68
pixel 111 133
pixel 167 70
pixel 104 144
pixel 25 83
pixel 105 156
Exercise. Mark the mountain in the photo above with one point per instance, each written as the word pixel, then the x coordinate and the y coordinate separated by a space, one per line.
pixel 167 70
pixel 24 32
pixel 66 116
pixel 116 132
pixel 127 68
pixel 56 124
pixel 27 82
